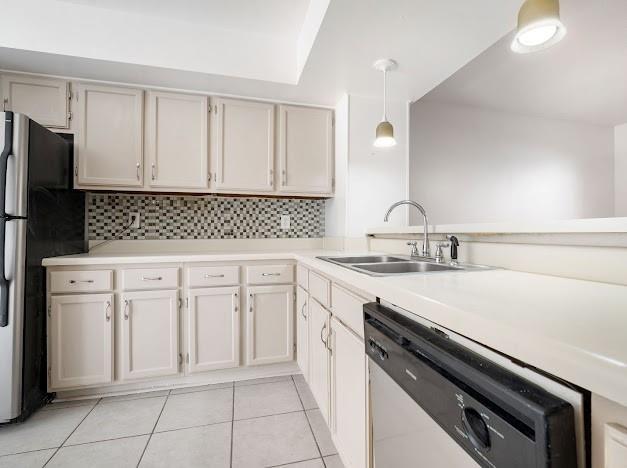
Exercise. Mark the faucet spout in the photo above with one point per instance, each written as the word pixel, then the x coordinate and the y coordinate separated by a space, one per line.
pixel 426 251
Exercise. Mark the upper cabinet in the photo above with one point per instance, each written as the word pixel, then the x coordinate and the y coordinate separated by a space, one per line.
pixel 305 141
pixel 44 100
pixel 176 141
pixel 244 146
pixel 109 145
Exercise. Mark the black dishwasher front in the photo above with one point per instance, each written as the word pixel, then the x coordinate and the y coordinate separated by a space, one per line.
pixel 497 417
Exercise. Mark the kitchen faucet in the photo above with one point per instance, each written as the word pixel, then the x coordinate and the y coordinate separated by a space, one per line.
pixel 426 252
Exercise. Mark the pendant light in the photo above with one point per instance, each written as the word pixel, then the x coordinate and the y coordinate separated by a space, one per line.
pixel 539 26
pixel 385 130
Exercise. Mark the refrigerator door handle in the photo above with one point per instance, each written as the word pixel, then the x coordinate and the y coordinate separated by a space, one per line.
pixel 4 161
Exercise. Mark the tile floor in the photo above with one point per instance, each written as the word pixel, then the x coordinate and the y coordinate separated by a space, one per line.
pixel 271 422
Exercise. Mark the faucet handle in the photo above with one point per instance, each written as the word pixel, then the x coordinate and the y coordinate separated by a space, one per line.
pixel 414 248
pixel 439 255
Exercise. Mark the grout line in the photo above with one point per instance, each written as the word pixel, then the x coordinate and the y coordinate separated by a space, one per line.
pixel 295 462
pixel 107 440
pixel 270 415
pixel 27 451
pixel 154 427
pixel 198 391
pixel 232 425
pixel 73 431
pixel 286 379
pixel 313 434
pixel 193 427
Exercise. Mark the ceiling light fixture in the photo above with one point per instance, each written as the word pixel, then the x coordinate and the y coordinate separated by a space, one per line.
pixel 539 26
pixel 385 130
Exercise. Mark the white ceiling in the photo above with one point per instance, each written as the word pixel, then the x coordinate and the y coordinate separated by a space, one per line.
pixel 335 48
pixel 583 78
pixel 274 17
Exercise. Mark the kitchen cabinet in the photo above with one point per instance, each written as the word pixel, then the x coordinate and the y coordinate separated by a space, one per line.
pixel 302 331
pixel 348 395
pixel 319 377
pixel 149 334
pixel 80 332
pixel 244 146
pixel 305 140
pixel 213 328
pixel 110 136
pixel 45 100
pixel 269 324
pixel 177 141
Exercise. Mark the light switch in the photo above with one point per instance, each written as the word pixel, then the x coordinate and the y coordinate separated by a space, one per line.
pixel 285 222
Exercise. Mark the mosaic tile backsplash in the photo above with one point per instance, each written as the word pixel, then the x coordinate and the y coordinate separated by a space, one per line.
pixel 207 217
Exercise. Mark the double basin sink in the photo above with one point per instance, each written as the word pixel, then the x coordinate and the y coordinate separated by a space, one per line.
pixel 389 265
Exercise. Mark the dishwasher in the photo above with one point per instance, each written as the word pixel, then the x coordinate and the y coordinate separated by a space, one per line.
pixel 440 400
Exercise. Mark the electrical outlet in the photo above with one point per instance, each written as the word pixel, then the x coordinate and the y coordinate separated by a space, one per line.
pixel 285 222
pixel 133 217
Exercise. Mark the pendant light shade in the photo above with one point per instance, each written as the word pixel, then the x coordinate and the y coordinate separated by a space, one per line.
pixel 539 26
pixel 385 131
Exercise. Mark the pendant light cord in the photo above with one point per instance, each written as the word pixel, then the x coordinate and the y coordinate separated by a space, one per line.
pixel 385 73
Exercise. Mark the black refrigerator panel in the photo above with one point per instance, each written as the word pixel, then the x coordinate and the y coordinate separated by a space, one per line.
pixel 55 226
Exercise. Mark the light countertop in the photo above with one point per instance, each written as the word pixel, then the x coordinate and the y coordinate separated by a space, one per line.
pixel 576 330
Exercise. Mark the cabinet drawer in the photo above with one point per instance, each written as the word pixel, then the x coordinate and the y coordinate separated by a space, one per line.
pixel 213 276
pixel 320 288
pixel 270 274
pixel 150 278
pixel 302 277
pixel 81 281
pixel 348 308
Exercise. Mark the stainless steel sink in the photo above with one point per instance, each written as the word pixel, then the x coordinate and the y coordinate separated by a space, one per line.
pixel 365 259
pixel 390 265
pixel 405 267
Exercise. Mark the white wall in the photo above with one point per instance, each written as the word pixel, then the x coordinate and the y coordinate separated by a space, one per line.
pixel 471 165
pixel 335 208
pixel 368 179
pixel 620 170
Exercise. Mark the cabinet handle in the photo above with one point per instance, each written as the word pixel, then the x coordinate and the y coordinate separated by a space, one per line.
pixel 213 276
pixel 250 309
pixel 271 274
pixel 321 331
pixel 236 306
pixel 302 310
pixel 137 168
pixel 152 278
pixel 126 306
pixel 152 172
pixel 284 177
pixel 271 178
pixel 108 311
pixel 81 281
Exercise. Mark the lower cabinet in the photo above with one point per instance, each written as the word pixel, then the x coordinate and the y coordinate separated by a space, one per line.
pixel 348 395
pixel 213 328
pixel 319 319
pixel 269 324
pixel 149 334
pixel 302 331
pixel 80 334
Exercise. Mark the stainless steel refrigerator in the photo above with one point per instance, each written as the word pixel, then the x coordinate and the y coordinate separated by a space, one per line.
pixel 40 216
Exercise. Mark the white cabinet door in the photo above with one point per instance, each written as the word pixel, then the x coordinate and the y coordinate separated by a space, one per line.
pixel 149 334
pixel 80 334
pixel 319 319
pixel 270 324
pixel 45 100
pixel 302 331
pixel 177 140
pixel 305 150
pixel 348 395
pixel 213 328
pixel 244 154
pixel 110 138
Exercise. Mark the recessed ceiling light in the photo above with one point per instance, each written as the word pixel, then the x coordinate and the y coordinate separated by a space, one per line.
pixel 539 26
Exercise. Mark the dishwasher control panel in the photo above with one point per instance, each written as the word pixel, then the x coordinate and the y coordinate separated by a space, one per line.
pixel 496 416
